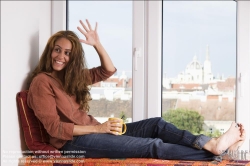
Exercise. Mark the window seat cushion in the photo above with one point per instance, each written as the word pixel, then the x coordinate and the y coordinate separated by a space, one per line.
pixel 36 137
pixel 127 162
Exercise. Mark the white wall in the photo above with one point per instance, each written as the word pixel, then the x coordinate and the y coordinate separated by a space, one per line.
pixel 25 29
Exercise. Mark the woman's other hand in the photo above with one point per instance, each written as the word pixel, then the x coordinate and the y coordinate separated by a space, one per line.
pixel 111 127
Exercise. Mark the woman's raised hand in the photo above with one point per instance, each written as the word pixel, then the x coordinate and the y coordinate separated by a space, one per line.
pixel 92 39
pixel 91 35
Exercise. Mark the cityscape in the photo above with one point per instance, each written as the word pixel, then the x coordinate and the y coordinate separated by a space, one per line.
pixel 195 88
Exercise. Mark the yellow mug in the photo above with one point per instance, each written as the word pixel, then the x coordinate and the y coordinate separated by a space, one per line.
pixel 123 128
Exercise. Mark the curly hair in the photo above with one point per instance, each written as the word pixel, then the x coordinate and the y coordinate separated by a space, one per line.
pixel 76 77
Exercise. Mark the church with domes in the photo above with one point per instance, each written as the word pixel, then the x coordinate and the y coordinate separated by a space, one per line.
pixel 197 73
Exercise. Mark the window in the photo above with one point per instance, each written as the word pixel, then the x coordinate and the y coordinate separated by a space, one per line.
pixel 199 65
pixel 147 80
pixel 112 97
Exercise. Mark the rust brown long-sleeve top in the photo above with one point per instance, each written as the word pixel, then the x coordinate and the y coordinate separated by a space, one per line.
pixel 58 111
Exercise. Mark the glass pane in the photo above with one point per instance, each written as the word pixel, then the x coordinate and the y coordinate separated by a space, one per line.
pixel 112 97
pixel 199 65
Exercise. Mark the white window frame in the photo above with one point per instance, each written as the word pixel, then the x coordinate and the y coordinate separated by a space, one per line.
pixel 147 43
pixel 146 18
pixel 58 16
pixel 147 32
pixel 152 81
pixel 153 67
pixel 138 49
pixel 243 69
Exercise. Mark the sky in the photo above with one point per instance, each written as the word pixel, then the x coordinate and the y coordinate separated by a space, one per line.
pixel 188 27
pixel 114 29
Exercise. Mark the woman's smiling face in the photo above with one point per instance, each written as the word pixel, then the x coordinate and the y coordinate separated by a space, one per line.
pixel 60 54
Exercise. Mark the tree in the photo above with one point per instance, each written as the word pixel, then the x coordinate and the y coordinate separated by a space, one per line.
pixel 185 119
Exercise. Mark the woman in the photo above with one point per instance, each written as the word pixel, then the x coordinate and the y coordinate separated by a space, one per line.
pixel 59 95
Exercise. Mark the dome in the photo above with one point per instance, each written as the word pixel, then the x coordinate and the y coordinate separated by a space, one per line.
pixel 194 65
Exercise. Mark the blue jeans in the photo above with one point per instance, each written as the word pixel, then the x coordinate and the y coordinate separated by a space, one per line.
pixel 150 138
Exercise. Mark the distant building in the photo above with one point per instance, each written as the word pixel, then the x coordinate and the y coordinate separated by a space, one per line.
pixel 115 87
pixel 196 73
pixel 195 88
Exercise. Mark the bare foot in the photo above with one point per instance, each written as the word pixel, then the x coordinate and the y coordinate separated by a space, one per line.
pixel 222 143
pixel 233 151
pixel 235 147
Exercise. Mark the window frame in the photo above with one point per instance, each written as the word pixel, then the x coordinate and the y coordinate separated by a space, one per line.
pixel 147 32
pixel 138 71
pixel 243 69
pixel 58 16
pixel 147 82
